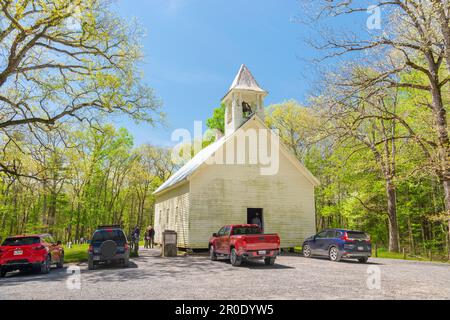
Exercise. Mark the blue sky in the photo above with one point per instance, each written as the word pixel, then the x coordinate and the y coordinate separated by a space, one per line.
pixel 194 48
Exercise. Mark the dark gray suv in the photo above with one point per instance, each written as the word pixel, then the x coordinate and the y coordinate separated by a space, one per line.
pixel 108 245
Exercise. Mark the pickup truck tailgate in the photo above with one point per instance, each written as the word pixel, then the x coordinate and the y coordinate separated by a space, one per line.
pixel 261 242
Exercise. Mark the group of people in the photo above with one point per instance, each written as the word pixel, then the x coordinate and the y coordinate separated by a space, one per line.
pixel 149 236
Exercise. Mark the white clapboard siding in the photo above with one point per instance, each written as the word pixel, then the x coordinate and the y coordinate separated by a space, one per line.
pixel 219 194
pixel 172 213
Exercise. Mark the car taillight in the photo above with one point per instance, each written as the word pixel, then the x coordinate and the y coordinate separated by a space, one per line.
pixel 368 239
pixel 91 248
pixel 126 246
pixel 346 238
pixel 41 247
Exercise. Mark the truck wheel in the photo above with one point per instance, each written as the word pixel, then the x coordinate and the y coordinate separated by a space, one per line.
pixel 91 265
pixel 235 259
pixel 269 261
pixel 212 254
pixel 334 254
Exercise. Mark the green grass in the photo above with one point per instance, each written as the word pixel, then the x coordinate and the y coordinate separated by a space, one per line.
pixel 384 253
pixel 78 253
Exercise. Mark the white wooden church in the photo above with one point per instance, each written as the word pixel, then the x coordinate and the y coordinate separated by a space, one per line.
pixel 205 195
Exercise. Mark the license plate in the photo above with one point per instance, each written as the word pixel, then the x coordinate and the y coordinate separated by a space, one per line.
pixel 361 248
pixel 262 252
pixel 18 252
pixel 97 258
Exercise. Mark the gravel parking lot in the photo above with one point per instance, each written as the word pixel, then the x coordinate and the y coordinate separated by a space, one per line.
pixel 195 277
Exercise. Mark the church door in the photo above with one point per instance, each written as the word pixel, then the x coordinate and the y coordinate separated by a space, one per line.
pixel 255 216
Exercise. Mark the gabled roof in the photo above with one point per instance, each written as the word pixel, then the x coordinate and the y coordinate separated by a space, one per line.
pixel 200 158
pixel 192 165
pixel 244 80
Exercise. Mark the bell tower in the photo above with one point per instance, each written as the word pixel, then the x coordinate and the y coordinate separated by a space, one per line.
pixel 244 98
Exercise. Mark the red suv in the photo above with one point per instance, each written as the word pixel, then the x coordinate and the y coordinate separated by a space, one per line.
pixel 35 252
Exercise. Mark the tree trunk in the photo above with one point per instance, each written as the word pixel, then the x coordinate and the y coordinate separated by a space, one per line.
pixel 52 211
pixel 444 154
pixel 394 245
pixel 77 229
pixel 440 115
pixel 411 236
pixel 446 184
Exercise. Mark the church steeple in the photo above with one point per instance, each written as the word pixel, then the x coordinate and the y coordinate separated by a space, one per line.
pixel 244 98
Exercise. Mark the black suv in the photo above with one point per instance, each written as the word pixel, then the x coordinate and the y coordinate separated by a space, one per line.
pixel 108 245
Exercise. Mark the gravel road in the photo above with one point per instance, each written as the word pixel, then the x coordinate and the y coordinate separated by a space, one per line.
pixel 195 277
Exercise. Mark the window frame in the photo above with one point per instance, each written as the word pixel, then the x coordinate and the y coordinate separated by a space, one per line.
pixel 220 233
pixel 318 236
pixel 331 234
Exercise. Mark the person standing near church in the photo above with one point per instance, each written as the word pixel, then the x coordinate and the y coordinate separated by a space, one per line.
pixel 257 220
pixel 151 234
pixel 146 238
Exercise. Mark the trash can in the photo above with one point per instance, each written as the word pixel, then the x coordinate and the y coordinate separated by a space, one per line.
pixel 169 244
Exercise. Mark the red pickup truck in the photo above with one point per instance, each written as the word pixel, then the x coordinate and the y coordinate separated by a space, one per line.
pixel 242 242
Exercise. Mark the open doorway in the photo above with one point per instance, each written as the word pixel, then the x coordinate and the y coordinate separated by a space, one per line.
pixel 255 216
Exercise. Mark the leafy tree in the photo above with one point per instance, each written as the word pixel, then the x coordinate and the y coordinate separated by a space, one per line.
pixel 66 61
pixel 295 124
pixel 415 38
pixel 217 121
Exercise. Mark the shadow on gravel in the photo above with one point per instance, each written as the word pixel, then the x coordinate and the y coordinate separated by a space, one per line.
pixel 262 266
pixel 17 277
pixel 158 267
pixel 116 266
pixel 256 264
pixel 345 261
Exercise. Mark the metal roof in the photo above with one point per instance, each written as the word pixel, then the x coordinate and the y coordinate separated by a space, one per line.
pixel 244 80
pixel 192 165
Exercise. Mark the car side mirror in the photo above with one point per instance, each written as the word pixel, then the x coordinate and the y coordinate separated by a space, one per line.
pixel 215 235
